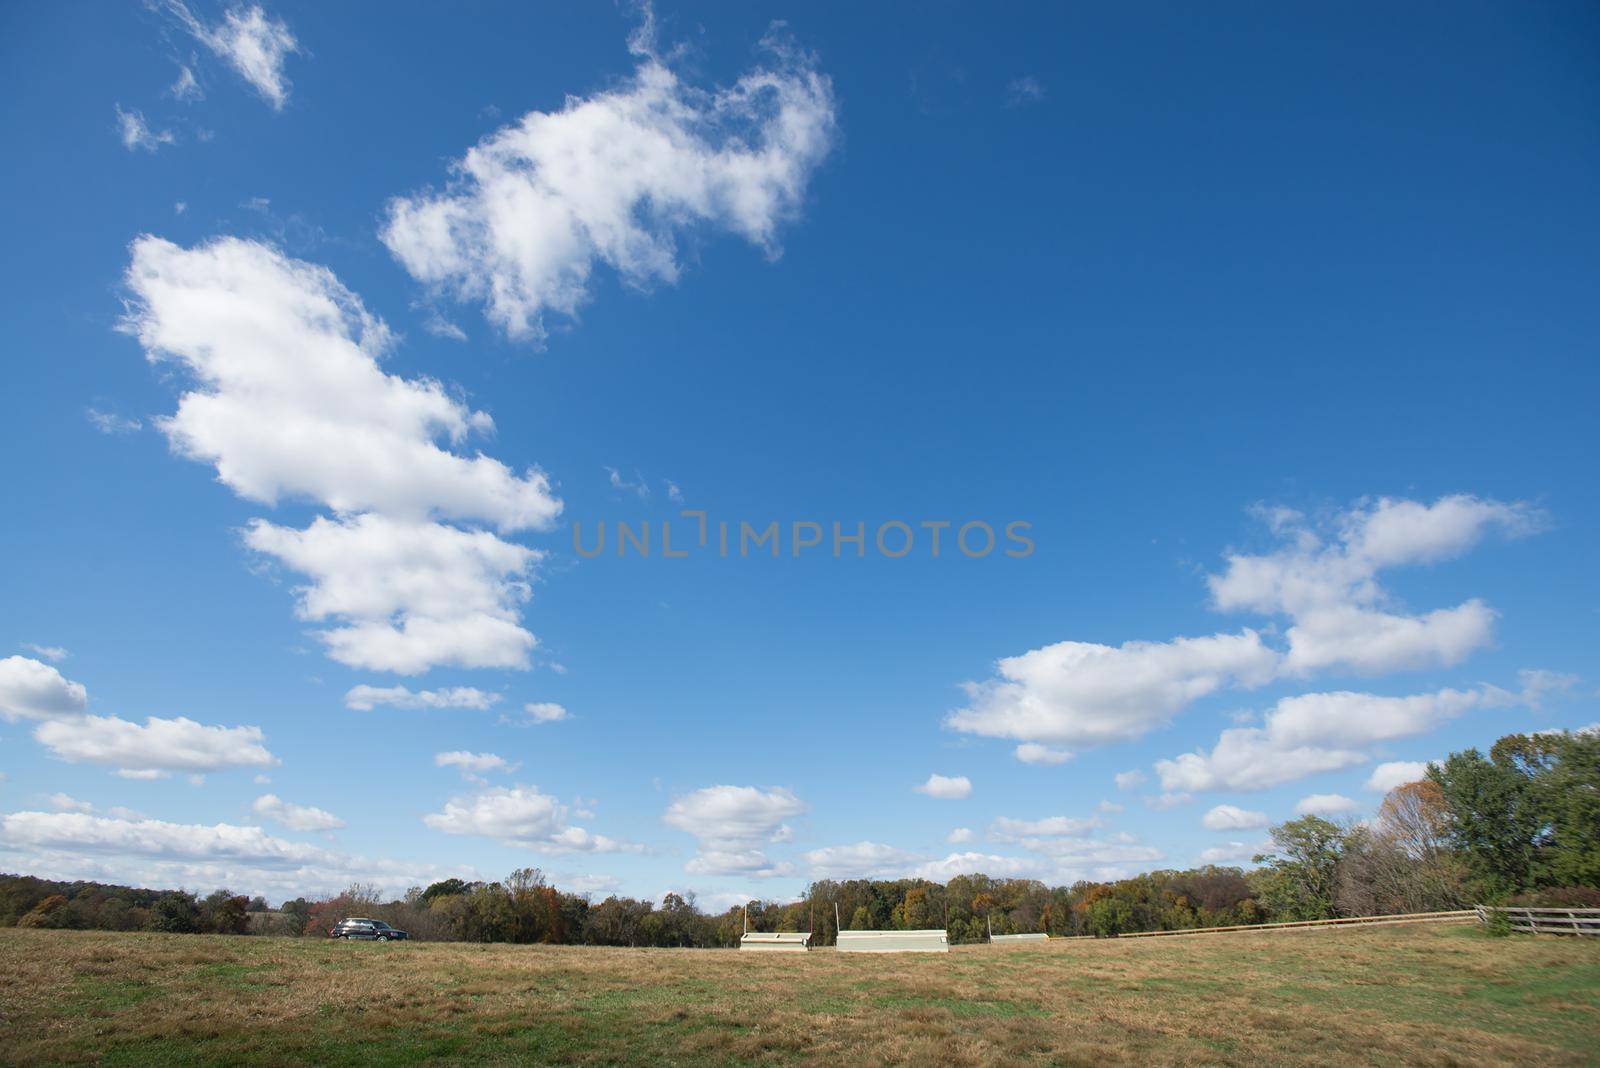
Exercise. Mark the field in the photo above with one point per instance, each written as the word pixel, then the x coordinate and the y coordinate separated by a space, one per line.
pixel 1397 995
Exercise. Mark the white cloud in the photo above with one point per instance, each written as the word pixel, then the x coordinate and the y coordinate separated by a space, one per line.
pixel 732 824
pixel 946 787
pixel 1232 818
pixel 946 868
pixel 588 883
pixel 186 87
pixel 364 698
pixel 1326 582
pixel 616 179
pixel 1171 799
pixel 136 133
pixel 158 747
pixel 1387 776
pixel 960 835
pixel 1231 853
pixel 1081 693
pixel 1024 90
pixel 144 852
pixel 864 860
pixel 66 803
pixel 639 488
pixel 1537 684
pixel 253 43
pixel 53 653
pixel 1325 805
pixel 1313 733
pixel 520 815
pixel 110 423
pixel 1109 806
pixel 1006 829
pixel 295 817
pixel 1127 780
pixel 545 712
pixel 289 402
pixel 1034 753
pixel 32 690
pixel 472 765
pixel 412 596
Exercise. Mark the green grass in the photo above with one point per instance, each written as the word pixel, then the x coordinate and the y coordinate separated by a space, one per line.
pixel 1397 995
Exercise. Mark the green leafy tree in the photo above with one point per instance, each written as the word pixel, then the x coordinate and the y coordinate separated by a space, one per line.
pixel 1303 869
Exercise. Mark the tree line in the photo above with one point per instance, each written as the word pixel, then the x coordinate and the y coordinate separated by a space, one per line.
pixel 1520 825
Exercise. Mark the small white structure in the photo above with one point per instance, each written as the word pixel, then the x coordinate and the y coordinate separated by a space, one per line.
pixel 776 941
pixel 1011 940
pixel 926 941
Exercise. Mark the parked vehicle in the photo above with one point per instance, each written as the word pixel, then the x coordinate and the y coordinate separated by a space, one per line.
pixel 365 930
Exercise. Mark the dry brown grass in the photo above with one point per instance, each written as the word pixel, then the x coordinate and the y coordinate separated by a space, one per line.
pixel 1428 996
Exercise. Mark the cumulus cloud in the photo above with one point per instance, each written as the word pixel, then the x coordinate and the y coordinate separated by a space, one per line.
pixel 144 852
pixel 67 803
pixel 1034 753
pixel 863 860
pixel 156 748
pixel 617 179
pixel 1233 852
pixel 946 787
pixel 295 817
pixel 136 133
pixel 1128 780
pixel 1325 579
pixel 1313 733
pixel 1006 829
pixel 1232 818
pixel 522 816
pixel 1082 693
pixel 473 765
pixel 732 824
pixel 1325 805
pixel 253 43
pixel 411 596
pixel 364 698
pixel 110 423
pixel 960 835
pixel 1387 776
pixel 289 402
pixel 544 712
pixel 33 690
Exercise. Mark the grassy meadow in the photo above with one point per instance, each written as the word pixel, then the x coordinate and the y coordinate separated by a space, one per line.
pixel 1398 995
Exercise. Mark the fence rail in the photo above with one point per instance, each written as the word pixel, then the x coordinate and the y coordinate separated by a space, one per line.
pixel 1545 921
pixel 1459 916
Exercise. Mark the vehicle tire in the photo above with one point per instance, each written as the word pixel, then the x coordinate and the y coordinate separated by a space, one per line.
pixel 344 938
pixel 383 938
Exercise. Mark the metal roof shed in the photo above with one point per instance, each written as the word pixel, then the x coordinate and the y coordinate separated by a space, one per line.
pixel 776 941
pixel 925 941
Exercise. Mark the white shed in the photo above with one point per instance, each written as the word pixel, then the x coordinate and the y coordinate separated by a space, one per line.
pixel 925 941
pixel 776 941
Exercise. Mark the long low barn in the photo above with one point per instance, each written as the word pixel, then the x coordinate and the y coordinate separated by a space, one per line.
pixel 929 941
pixel 1011 940
pixel 776 941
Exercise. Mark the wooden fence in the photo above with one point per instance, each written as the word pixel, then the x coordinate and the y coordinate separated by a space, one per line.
pixel 1460 916
pixel 1545 921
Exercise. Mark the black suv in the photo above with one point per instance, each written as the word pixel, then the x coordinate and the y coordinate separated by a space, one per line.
pixel 366 930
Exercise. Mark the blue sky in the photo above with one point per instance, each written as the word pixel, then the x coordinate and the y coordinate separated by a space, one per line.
pixel 1277 328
